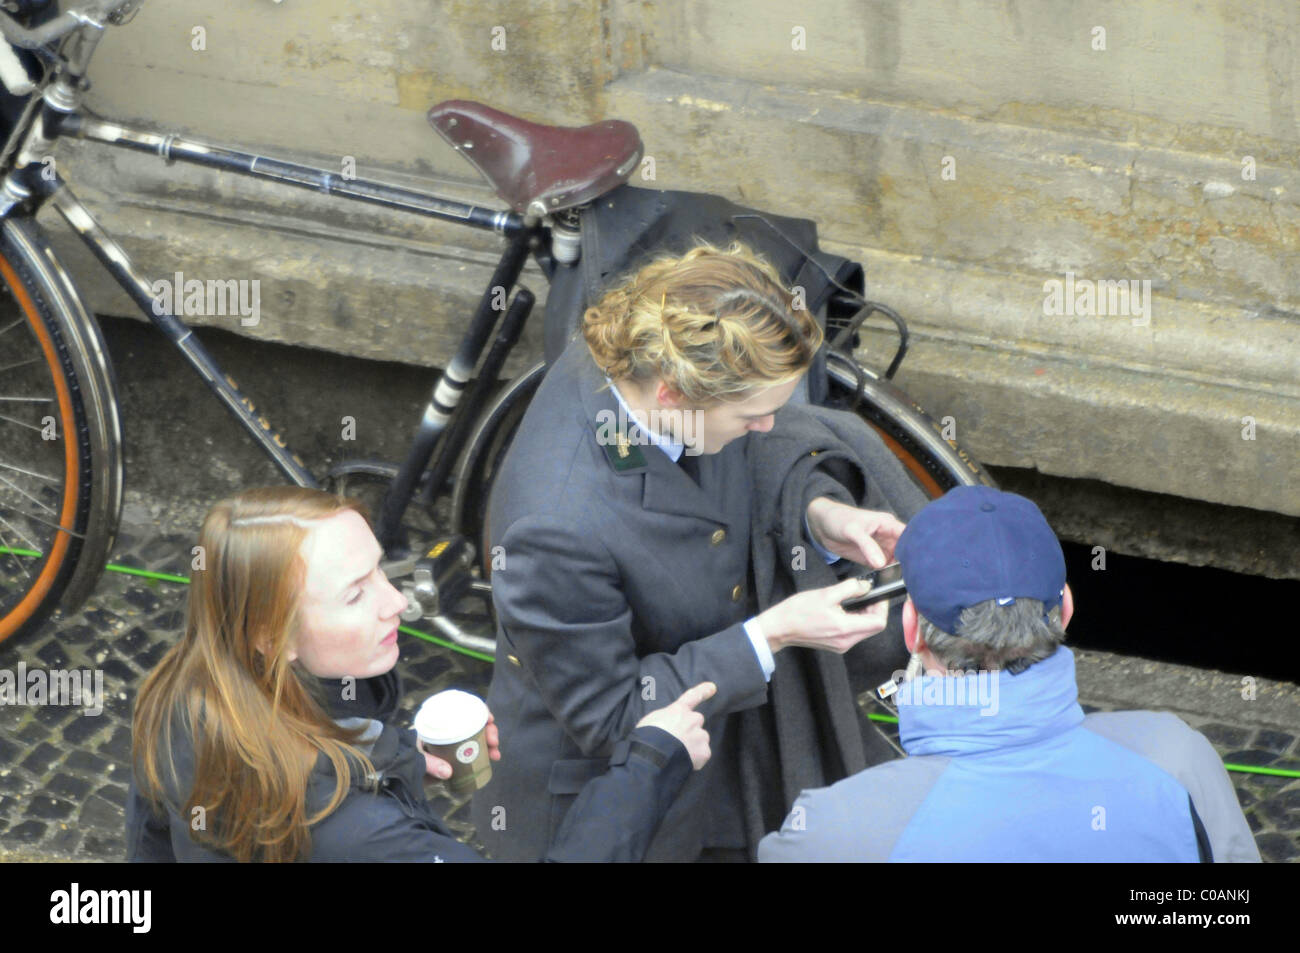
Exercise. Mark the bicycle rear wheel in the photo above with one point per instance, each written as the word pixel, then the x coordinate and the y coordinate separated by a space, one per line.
pixel 935 463
pixel 60 463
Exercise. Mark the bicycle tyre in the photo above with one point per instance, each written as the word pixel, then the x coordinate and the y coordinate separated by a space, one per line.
pixel 913 436
pixel 916 439
pixel 484 451
pixel 45 305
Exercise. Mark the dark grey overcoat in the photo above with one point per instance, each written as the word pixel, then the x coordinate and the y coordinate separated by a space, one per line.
pixel 618 584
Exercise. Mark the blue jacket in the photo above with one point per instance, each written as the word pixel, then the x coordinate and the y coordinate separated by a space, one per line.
pixel 1006 767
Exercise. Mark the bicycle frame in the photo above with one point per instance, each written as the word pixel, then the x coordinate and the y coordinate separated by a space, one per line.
pixel 29 184
pixel 55 111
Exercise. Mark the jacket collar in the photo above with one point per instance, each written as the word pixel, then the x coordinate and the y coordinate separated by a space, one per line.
pixel 371 705
pixel 949 715
pixel 378 697
pixel 665 488
pixel 668 445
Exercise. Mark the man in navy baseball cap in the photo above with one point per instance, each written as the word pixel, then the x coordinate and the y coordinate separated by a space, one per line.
pixel 1002 763
pixel 977 545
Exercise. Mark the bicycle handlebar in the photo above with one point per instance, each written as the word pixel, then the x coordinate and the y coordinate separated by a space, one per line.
pixel 91 12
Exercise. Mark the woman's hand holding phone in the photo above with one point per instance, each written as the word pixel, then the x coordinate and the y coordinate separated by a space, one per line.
pixel 816 619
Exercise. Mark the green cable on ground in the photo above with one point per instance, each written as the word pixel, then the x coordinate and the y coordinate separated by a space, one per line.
pixel 472 653
pixel 147 573
pixel 484 657
pixel 1254 769
pixel 184 580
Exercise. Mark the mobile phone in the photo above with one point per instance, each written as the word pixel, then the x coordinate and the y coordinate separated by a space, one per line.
pixel 886 582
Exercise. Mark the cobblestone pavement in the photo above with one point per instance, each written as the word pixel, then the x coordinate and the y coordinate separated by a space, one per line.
pixel 63 774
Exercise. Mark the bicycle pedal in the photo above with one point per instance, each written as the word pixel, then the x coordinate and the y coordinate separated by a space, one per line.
pixel 440 577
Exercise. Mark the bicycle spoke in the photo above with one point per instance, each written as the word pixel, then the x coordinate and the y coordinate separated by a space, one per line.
pixel 19 532
pixel 48 509
pixel 36 519
pixel 11 326
pixel 33 400
pixel 16 558
pixel 31 473
pixel 20 423
pixel 10 367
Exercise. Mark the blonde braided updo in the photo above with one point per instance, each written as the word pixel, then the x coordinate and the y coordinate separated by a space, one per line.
pixel 713 324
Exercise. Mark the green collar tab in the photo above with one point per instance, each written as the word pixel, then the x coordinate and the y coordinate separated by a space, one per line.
pixel 623 455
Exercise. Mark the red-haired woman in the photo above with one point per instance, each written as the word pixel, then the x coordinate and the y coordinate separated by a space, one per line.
pixel 265 733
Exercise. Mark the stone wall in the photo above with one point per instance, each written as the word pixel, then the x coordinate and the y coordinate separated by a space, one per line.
pixel 970 153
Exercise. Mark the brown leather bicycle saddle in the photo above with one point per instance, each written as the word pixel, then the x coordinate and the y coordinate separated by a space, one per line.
pixel 558 166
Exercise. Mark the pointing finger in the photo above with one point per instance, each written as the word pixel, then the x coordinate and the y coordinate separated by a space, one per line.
pixel 697 694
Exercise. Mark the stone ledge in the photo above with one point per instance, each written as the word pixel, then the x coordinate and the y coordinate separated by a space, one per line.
pixel 1197 342
pixel 1061 415
pixel 1162 527
pixel 1126 682
pixel 322 286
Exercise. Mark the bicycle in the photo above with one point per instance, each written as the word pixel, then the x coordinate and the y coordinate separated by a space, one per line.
pixel 60 465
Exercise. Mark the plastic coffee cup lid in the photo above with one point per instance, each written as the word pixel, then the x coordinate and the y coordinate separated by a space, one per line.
pixel 449 717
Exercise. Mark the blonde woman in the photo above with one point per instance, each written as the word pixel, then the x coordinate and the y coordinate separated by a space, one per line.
pixel 266 732
pixel 628 520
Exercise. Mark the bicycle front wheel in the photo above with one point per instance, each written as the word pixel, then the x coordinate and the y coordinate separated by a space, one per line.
pixel 60 462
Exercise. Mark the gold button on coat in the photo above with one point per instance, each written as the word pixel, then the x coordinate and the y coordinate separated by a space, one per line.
pixel 718 536
pixel 513 659
pixel 736 593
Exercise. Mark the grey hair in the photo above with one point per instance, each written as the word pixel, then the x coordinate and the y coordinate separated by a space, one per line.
pixel 994 637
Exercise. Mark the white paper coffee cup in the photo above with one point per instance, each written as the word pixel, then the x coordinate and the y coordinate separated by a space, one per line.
pixel 452 725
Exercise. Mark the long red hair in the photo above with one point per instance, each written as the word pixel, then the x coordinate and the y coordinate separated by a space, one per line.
pixel 256 722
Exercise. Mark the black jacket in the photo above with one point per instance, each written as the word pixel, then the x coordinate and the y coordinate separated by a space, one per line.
pixel 388 818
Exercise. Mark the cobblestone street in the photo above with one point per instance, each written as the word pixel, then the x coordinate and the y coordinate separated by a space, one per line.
pixel 63 774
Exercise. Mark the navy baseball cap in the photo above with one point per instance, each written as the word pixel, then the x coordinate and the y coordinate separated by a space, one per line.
pixel 974 544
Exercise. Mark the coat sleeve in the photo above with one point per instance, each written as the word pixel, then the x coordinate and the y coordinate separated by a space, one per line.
pixel 821 483
pixel 148 835
pixel 1216 802
pixel 798 843
pixel 563 614
pixel 617 814
pixel 373 828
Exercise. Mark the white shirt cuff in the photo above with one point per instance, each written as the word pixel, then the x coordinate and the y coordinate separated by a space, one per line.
pixel 761 649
